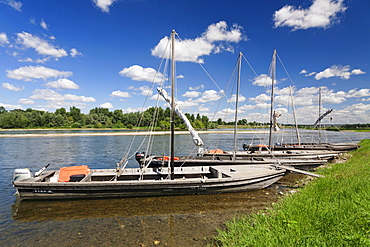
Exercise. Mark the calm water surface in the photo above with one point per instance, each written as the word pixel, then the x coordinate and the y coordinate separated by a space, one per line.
pixel 169 221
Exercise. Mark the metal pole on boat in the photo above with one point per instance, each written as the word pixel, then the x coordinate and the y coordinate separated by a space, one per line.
pixel 294 116
pixel 236 104
pixel 172 164
pixel 319 115
pixel 273 69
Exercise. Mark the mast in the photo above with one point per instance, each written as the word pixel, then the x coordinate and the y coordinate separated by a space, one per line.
pixel 236 104
pixel 319 115
pixel 172 122
pixel 273 70
pixel 295 118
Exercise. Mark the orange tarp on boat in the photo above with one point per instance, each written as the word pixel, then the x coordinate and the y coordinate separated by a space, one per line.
pixel 216 151
pixel 66 172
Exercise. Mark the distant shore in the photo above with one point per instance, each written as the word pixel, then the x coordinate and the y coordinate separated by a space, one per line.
pixel 112 133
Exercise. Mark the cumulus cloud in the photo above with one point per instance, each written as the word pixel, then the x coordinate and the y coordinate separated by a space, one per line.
pixel 262 80
pixel 107 105
pixel 62 83
pixel 216 38
pixel 144 90
pixel 219 32
pixel 14 4
pixel 104 5
pixel 197 88
pixel 48 94
pixel 26 101
pixel 10 106
pixel 192 94
pixel 120 94
pixel 3 39
pixel 43 24
pixel 75 53
pixel 138 73
pixel 233 98
pixel 321 14
pixel 210 95
pixel 27 73
pixel 338 71
pixel 41 46
pixel 11 87
pixel 202 108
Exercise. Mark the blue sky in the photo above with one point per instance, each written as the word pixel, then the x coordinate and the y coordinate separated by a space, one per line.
pixel 104 53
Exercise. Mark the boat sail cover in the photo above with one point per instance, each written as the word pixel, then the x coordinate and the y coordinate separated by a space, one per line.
pixel 196 139
pixel 321 117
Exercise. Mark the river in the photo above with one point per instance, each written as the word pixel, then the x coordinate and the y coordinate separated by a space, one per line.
pixel 168 221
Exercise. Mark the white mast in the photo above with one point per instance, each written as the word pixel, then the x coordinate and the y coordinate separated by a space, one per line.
pixel 236 103
pixel 273 70
pixel 295 118
pixel 173 105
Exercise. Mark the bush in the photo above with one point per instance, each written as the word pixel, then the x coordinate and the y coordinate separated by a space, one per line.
pixel 76 125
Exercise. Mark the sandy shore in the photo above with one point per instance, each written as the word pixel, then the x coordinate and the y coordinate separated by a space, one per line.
pixel 123 133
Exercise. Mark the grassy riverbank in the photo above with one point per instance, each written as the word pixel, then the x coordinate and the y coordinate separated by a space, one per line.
pixel 330 211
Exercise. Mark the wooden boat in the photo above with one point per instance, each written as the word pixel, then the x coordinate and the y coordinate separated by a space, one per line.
pixel 204 178
pixel 136 182
pixel 341 147
pixel 227 159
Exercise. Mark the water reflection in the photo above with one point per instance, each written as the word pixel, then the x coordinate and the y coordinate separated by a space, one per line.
pixel 172 221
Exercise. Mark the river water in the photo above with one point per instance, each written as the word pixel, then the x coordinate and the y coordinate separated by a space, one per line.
pixel 159 221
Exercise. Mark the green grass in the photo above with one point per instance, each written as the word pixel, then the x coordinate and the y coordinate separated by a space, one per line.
pixel 329 211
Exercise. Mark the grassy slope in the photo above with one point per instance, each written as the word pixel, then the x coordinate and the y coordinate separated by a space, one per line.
pixel 330 211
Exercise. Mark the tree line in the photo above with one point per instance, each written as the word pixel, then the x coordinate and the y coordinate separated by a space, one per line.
pixel 96 118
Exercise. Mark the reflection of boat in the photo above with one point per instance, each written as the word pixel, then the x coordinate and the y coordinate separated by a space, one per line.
pixel 54 210
pixel 82 182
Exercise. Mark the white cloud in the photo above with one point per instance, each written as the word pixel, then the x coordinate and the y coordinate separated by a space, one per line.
pixel 321 14
pixel 203 108
pixel 262 80
pixel 43 24
pixel 191 50
pixel 75 53
pixel 338 71
pixel 197 88
pixel 210 95
pixel 365 92
pixel 219 32
pixel 62 83
pixel 107 105
pixel 48 94
pixel 303 71
pixel 104 5
pixel 186 50
pixel 41 46
pixel 357 72
pixel 192 94
pixel 260 98
pixel 233 98
pixel 186 104
pixel 138 73
pixel 11 87
pixel 28 73
pixel 308 90
pixel 121 94
pixel 144 90
pixel 3 39
pixel 9 106
pixel 26 101
pixel 14 4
